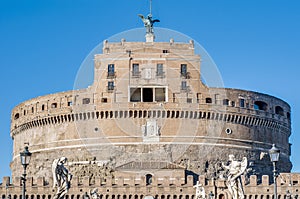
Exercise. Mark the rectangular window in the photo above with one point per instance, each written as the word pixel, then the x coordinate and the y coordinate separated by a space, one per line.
pixel 85 100
pixel 183 85
pixel 242 103
pixel 135 94
pixel 160 70
pixel 160 94
pixel 110 86
pixel 183 70
pixel 135 70
pixel 226 102
pixel 111 70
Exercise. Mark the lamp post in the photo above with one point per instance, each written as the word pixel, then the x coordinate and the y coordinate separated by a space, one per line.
pixel 25 159
pixel 274 156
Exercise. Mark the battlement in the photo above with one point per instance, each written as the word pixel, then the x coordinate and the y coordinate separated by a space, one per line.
pixel 284 180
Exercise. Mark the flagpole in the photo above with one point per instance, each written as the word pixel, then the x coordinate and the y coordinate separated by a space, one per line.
pixel 150 7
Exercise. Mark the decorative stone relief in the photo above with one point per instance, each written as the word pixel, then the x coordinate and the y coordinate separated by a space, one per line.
pixel 150 131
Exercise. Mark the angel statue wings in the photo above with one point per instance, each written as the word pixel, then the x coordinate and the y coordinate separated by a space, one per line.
pixel 234 182
pixel 148 22
pixel 61 178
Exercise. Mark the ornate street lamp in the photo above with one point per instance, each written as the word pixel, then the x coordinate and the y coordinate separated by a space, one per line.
pixel 25 159
pixel 274 156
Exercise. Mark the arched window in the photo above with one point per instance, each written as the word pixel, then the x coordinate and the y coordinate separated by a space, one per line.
pixel 279 110
pixel 43 107
pixel 148 179
pixel 260 105
pixel 54 105
pixel 17 115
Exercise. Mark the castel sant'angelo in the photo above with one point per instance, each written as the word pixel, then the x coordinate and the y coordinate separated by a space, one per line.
pixel 148 126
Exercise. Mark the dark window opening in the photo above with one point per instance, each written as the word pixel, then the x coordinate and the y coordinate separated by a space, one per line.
pixel 147 95
pixel 165 51
pixel 189 100
pixel 233 103
pixel 110 86
pixel 104 100
pixel 208 100
pixel 260 105
pixel 32 110
pixel 135 94
pixel 242 103
pixel 226 102
pixel 183 70
pixel 288 115
pixel 54 105
pixel 43 107
pixel 279 110
pixel 17 115
pixel 111 70
pixel 85 100
pixel 148 179
pixel 135 70
pixel 69 103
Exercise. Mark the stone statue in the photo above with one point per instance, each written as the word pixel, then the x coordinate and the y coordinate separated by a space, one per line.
pixel 94 193
pixel 200 191
pixel 148 22
pixel 234 181
pixel 61 178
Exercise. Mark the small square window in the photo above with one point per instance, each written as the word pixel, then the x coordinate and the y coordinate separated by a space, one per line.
pixel 110 86
pixel 183 85
pixel 208 100
pixel 54 105
pixel 85 100
pixel 104 100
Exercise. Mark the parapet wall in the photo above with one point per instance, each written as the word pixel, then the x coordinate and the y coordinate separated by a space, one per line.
pixel 160 185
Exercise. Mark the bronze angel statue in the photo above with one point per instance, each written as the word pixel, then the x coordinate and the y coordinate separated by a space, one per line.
pixel 148 22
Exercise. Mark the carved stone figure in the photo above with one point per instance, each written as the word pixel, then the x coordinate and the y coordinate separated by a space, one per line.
pixel 94 193
pixel 200 191
pixel 61 178
pixel 148 22
pixel 235 170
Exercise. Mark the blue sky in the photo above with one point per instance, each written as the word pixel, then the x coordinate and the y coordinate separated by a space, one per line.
pixel 255 44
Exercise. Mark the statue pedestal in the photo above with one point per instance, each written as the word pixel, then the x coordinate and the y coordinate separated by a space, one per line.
pixel 150 37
